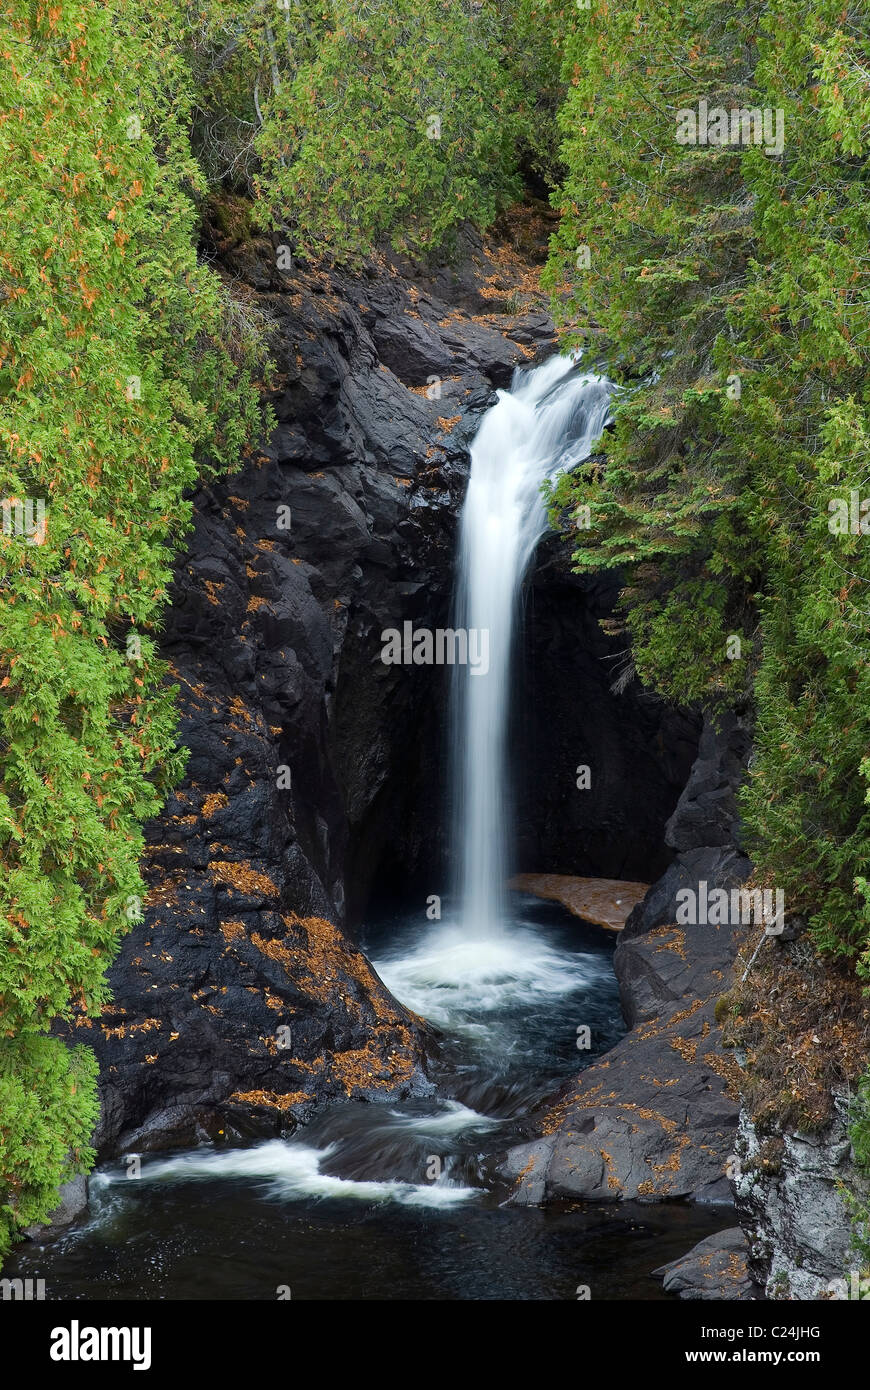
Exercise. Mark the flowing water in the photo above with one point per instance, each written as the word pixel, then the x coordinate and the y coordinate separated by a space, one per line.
pixel 404 1201
pixel 396 1201
pixel 550 421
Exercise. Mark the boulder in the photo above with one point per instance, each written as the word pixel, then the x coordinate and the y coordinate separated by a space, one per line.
pixel 73 1201
pixel 713 1269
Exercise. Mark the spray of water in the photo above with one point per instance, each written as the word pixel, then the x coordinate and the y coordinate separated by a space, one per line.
pixel 549 421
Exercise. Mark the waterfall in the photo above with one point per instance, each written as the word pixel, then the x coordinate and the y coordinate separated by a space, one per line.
pixel 548 422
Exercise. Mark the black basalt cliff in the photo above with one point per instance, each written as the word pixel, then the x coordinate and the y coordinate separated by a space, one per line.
pixel 316 775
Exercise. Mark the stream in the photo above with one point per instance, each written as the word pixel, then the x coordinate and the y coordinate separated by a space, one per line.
pixel 353 1206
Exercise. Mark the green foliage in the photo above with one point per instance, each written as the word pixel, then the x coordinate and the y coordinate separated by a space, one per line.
pixel 113 382
pixel 46 1090
pixel 532 56
pixel 728 289
pixel 355 121
pixel 387 117
pixel 667 239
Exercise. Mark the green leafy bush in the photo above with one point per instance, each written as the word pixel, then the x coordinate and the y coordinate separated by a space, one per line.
pixel 728 289
pixel 113 381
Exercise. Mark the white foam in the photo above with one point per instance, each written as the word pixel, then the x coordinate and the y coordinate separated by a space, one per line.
pixel 455 1118
pixel 293 1172
pixel 447 974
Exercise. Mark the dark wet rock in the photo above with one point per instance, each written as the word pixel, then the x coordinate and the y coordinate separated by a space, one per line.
pixel 655 1118
pixel 717 867
pixel 657 970
pixel 236 1018
pixel 533 329
pixel 706 813
pixel 528 1164
pixel 705 826
pixel 714 1269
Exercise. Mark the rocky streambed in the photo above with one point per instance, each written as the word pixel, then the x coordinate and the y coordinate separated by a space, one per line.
pixel 246 1011
pixel 402 1199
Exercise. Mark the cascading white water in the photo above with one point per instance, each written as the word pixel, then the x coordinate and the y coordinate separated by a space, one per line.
pixel 549 421
pixel 480 968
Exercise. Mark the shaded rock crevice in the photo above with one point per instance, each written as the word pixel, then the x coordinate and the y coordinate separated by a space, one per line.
pixel 704 830
pixel 638 751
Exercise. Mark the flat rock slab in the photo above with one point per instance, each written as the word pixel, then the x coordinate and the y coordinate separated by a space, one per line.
pixel 604 901
pixel 713 1269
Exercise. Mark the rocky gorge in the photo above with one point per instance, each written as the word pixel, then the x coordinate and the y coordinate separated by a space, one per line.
pixel 243 1003
pixel 316 770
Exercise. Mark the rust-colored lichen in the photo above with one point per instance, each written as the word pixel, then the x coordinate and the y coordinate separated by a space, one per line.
pixel 271 1100
pixel 213 802
pixel 244 878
